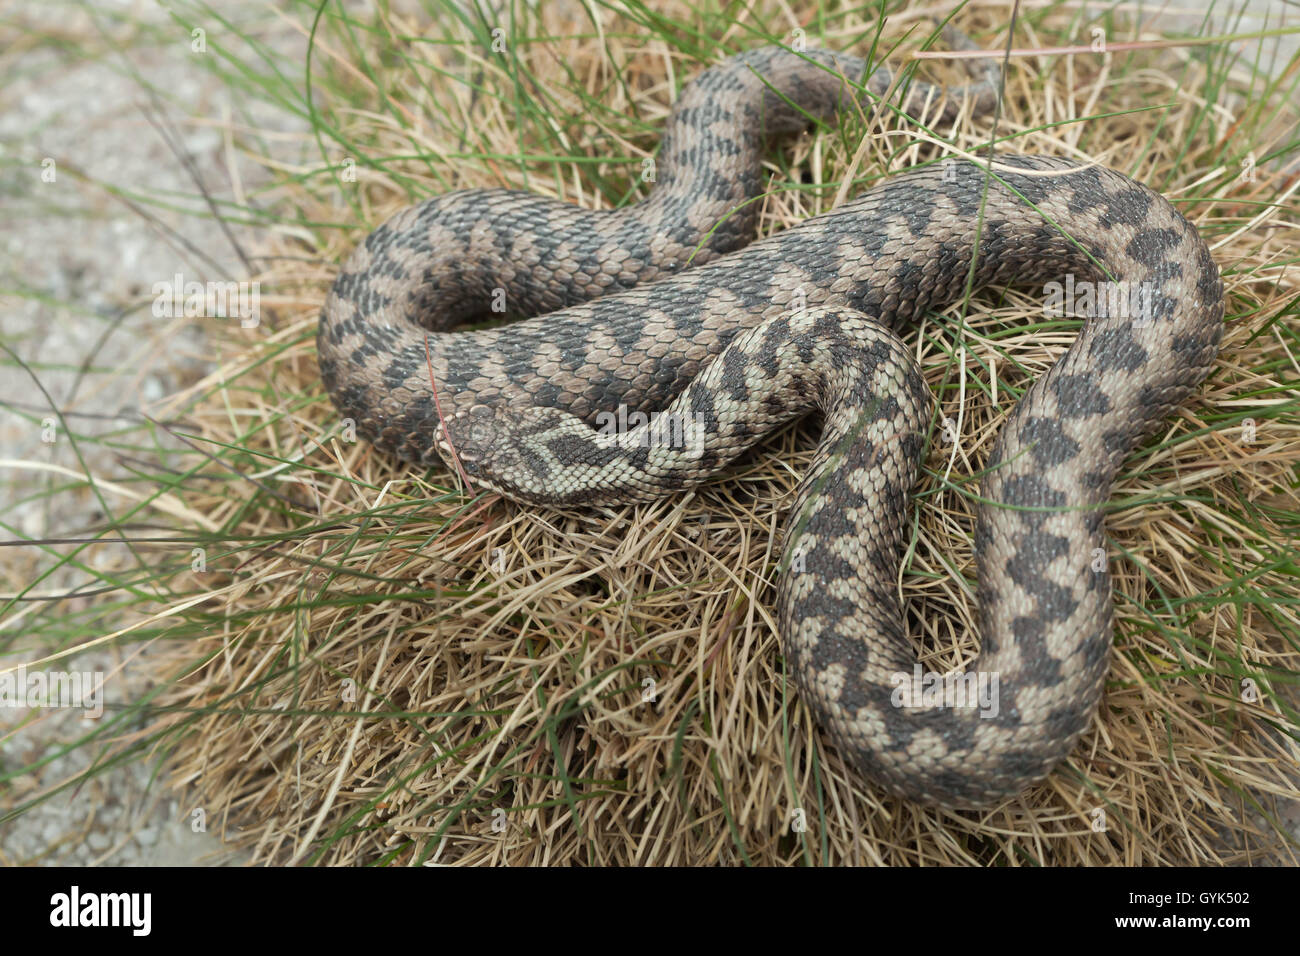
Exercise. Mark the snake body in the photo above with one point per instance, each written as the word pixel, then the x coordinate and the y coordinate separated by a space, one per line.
pixel 751 336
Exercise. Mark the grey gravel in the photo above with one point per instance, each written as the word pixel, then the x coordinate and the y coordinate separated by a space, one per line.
pixel 88 256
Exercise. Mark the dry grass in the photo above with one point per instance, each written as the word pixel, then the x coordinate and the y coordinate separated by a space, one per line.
pixel 387 669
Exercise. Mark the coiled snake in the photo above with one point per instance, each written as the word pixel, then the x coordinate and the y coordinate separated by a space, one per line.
pixel 745 340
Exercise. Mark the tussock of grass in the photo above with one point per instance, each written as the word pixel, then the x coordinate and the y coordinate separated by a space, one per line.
pixel 386 669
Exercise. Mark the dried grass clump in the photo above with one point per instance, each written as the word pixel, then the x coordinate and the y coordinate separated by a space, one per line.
pixel 393 671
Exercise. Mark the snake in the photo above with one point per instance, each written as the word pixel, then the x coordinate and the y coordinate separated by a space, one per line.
pixel 670 313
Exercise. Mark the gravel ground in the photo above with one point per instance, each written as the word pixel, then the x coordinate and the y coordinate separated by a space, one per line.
pixel 73 100
pixel 73 242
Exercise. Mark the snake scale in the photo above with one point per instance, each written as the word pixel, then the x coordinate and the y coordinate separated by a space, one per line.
pixel 755 335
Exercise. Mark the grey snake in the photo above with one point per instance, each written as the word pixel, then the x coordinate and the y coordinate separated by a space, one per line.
pixel 751 336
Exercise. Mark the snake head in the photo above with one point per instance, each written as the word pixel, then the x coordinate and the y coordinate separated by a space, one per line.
pixel 520 451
